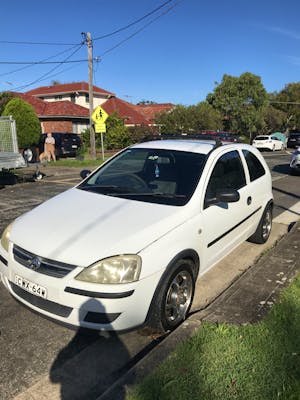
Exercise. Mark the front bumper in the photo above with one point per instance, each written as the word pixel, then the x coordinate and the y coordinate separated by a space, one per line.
pixel 69 301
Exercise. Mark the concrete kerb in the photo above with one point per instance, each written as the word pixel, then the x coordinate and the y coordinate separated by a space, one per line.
pixel 274 267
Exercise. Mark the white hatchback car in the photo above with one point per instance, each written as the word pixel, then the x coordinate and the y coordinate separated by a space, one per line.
pixel 268 142
pixel 152 219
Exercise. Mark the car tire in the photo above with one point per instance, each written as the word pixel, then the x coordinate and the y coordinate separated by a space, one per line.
pixel 263 231
pixel 29 154
pixel 173 297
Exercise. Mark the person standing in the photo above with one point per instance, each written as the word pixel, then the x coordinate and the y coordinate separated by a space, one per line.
pixel 50 147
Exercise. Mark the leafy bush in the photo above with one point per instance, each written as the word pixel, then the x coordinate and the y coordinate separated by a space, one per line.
pixel 27 122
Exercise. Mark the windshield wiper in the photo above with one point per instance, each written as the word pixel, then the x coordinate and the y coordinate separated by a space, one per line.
pixel 105 188
pixel 168 195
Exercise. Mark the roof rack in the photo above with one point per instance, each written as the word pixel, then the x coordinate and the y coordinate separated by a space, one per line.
pixel 186 136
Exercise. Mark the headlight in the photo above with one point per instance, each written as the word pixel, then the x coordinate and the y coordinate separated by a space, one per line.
pixel 5 237
pixel 118 269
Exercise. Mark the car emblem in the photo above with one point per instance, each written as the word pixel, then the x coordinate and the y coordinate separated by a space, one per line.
pixel 34 263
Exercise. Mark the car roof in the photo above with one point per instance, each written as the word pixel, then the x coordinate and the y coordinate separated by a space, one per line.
pixel 193 146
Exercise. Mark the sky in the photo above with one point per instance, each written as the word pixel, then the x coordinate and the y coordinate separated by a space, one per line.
pixel 176 54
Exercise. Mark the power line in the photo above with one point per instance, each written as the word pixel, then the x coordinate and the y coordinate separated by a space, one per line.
pixel 41 62
pixel 49 72
pixel 38 43
pixel 133 23
pixel 37 62
pixel 140 29
pixel 67 61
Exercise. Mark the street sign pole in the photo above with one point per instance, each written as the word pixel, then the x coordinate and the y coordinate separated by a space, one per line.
pixel 102 145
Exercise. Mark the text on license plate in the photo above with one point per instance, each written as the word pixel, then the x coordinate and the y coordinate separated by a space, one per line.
pixel 31 287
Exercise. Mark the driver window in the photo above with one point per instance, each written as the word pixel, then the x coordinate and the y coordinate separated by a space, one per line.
pixel 228 173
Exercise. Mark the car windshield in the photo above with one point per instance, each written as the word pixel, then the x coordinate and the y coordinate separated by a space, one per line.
pixel 150 175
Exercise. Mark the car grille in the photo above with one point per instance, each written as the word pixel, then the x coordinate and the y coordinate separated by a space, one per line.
pixel 41 265
pixel 46 305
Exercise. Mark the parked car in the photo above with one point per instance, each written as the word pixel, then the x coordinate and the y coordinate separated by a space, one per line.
pixel 293 139
pixel 268 142
pixel 152 220
pixel 66 144
pixel 295 162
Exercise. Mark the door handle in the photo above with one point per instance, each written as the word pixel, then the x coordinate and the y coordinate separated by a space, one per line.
pixel 249 200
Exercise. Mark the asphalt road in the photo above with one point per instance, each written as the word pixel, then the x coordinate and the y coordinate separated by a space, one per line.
pixel 33 349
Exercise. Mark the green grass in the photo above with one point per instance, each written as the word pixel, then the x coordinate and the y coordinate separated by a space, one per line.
pixel 67 162
pixel 251 362
pixel 74 162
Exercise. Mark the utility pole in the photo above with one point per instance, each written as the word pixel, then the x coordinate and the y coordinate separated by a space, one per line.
pixel 88 41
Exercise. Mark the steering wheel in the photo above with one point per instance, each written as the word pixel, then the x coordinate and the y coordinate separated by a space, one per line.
pixel 139 184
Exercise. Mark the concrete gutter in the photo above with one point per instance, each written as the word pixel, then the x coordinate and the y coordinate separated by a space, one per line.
pixel 241 289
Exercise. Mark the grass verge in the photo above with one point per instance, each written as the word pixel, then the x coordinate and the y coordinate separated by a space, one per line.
pixel 75 163
pixel 257 362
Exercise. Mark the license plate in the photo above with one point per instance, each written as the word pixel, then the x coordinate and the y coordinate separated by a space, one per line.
pixel 31 287
pixel 74 146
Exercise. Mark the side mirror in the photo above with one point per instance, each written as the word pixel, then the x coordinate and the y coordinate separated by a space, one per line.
pixel 84 173
pixel 223 196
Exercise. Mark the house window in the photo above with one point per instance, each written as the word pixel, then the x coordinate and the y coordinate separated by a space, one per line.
pixel 87 98
pixel 59 97
pixel 73 98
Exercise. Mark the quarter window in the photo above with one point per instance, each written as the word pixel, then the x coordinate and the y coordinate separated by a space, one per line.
pixel 255 167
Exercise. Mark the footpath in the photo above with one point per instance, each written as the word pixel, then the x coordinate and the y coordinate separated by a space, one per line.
pixel 246 300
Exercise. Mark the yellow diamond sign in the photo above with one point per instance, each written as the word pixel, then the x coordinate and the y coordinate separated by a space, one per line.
pixel 99 116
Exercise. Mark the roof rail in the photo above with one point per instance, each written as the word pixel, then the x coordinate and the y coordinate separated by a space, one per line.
pixel 185 136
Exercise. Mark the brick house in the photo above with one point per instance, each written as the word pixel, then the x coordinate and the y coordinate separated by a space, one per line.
pixel 65 107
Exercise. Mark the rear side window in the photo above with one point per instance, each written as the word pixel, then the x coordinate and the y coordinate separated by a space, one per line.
pixel 255 167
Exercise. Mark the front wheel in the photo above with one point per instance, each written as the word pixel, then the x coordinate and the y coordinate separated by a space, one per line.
pixel 173 299
pixel 29 153
pixel 263 231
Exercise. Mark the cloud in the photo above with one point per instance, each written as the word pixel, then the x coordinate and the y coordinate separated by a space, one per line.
pixel 285 32
pixel 293 60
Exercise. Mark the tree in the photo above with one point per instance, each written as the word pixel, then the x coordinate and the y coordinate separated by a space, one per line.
pixel 116 136
pixel 145 102
pixel 241 100
pixel 191 119
pixel 5 97
pixel 27 122
pixel 274 120
pixel 203 116
pixel 288 101
pixel 138 133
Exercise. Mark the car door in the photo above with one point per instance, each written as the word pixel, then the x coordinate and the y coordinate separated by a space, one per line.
pixel 225 225
pixel 276 142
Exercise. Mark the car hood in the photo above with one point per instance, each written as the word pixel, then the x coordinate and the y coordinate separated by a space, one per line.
pixel 80 227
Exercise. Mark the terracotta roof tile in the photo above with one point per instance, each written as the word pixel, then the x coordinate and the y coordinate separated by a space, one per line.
pixel 66 88
pixel 150 111
pixel 55 108
pixel 125 110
